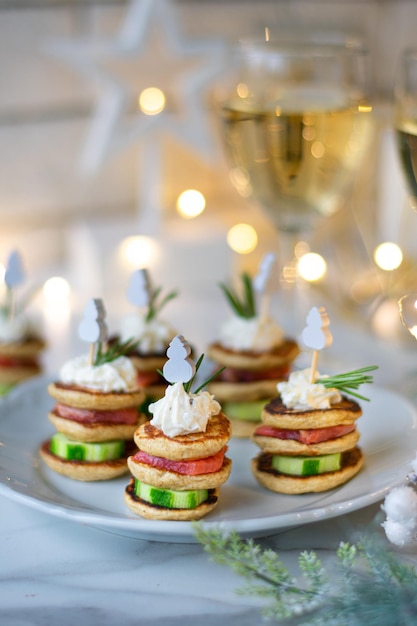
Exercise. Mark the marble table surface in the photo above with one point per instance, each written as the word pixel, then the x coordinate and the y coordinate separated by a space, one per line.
pixel 60 571
pixel 55 571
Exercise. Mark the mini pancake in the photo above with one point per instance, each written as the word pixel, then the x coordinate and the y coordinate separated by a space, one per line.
pixel 292 447
pixel 94 432
pixel 243 391
pixel 9 375
pixel 83 398
pixel 352 462
pixel 152 511
pixel 275 413
pixel 25 355
pixel 152 440
pixel 243 428
pixel 165 479
pixel 251 360
pixel 84 470
pixel 25 349
pixel 148 363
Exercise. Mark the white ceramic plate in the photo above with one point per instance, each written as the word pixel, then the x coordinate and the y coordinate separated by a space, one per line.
pixel 388 430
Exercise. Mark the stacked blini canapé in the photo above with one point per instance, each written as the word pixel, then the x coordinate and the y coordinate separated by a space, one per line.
pixel 150 334
pixel 307 450
pixel 178 478
pixel 255 354
pixel 181 462
pixel 94 427
pixel 20 360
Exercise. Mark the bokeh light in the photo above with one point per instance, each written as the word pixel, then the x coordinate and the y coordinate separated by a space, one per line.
pixel 388 256
pixel 151 101
pixel 311 267
pixel 138 252
pixel 242 238
pixel 191 203
pixel 56 290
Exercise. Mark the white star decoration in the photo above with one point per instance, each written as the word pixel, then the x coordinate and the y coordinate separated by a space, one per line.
pixel 109 131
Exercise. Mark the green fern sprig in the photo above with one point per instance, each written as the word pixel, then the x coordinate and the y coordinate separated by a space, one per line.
pixel 243 305
pixel 349 380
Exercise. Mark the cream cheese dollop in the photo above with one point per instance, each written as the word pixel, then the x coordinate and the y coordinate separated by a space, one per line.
pixel 181 413
pixel 255 334
pixel 153 336
pixel 14 328
pixel 299 393
pixel 117 375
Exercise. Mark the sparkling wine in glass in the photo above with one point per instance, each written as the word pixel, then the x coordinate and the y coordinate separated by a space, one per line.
pixel 295 121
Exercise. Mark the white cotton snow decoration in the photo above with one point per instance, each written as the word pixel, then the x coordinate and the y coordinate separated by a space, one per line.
pixel 398 534
pixel 400 506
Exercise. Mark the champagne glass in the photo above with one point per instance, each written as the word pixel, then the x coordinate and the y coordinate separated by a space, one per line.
pixel 294 119
pixel 405 120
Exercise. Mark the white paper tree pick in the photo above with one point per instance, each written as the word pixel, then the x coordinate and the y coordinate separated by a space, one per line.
pixel 266 281
pixel 15 274
pixel 179 368
pixel 93 327
pixel 139 288
pixel 316 335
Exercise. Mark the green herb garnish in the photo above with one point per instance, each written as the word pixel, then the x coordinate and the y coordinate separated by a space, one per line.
pixel 154 307
pixel 113 351
pixel 243 305
pixel 349 380
pixel 369 586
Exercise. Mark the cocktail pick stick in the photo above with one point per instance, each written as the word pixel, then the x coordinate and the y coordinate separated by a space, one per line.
pixel 316 336
pixel 266 282
pixel 93 328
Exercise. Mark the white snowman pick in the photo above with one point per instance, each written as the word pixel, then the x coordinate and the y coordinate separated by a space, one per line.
pixel 266 282
pixel 139 289
pixel 316 335
pixel 179 368
pixel 93 327
pixel 13 277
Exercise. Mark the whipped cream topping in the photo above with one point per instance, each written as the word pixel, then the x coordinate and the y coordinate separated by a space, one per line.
pixel 255 334
pixel 181 413
pixel 153 336
pixel 117 375
pixel 299 393
pixel 15 328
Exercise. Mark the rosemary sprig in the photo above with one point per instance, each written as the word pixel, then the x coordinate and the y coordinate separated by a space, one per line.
pixel 154 307
pixel 111 352
pixel 349 380
pixel 243 305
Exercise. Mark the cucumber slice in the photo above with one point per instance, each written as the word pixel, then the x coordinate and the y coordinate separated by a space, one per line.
pixel 250 411
pixel 306 465
pixel 72 450
pixel 170 498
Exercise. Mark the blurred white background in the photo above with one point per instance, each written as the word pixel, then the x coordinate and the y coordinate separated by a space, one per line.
pixel 69 197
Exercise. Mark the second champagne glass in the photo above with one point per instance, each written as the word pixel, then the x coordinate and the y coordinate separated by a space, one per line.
pixel 405 119
pixel 295 122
